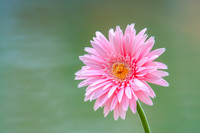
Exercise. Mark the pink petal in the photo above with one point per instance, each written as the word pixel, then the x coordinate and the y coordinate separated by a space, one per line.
pixel 133 105
pixel 87 97
pixel 116 113
pixel 149 45
pixel 108 85
pixel 125 103
pixel 106 108
pixel 113 103
pixel 94 65
pixel 101 85
pixel 151 92
pixel 79 72
pixel 128 92
pixel 122 112
pixel 140 38
pixel 130 30
pixel 137 54
pixel 141 62
pixel 148 69
pixel 91 58
pixel 99 49
pixel 161 82
pixel 99 93
pixel 160 73
pixel 153 57
pixel 79 77
pixel 83 69
pixel 111 35
pixel 91 73
pixel 141 33
pixel 112 90
pixel 103 41
pixel 99 81
pixel 96 105
pixel 116 45
pixel 84 83
pixel 144 97
pixel 134 95
pixel 127 47
pixel 157 52
pixel 103 99
pixel 149 65
pixel 120 95
pixel 119 37
pixel 151 78
pixel 161 65
pixel 88 90
pixel 113 41
pixel 141 85
pixel 91 51
pixel 140 69
pixel 133 46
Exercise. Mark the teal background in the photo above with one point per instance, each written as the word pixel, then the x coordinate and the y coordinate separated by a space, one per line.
pixel 40 42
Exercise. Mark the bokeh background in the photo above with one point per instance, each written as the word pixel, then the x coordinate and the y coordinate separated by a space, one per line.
pixel 40 42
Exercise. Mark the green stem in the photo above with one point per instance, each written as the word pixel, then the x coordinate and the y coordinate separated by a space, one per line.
pixel 143 118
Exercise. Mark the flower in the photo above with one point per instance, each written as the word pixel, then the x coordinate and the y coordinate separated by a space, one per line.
pixel 117 70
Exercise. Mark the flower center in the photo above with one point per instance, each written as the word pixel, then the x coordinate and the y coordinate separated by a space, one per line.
pixel 120 71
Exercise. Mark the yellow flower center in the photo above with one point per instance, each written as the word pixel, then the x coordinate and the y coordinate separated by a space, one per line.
pixel 120 71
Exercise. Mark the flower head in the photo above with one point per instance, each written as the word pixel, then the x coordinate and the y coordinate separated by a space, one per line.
pixel 117 70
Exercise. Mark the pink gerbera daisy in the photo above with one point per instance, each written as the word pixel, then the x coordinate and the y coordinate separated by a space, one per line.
pixel 117 70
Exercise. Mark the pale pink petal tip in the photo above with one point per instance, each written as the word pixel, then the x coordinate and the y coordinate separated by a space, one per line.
pixel 118 68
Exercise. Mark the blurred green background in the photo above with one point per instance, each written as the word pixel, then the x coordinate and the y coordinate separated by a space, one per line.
pixel 40 42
